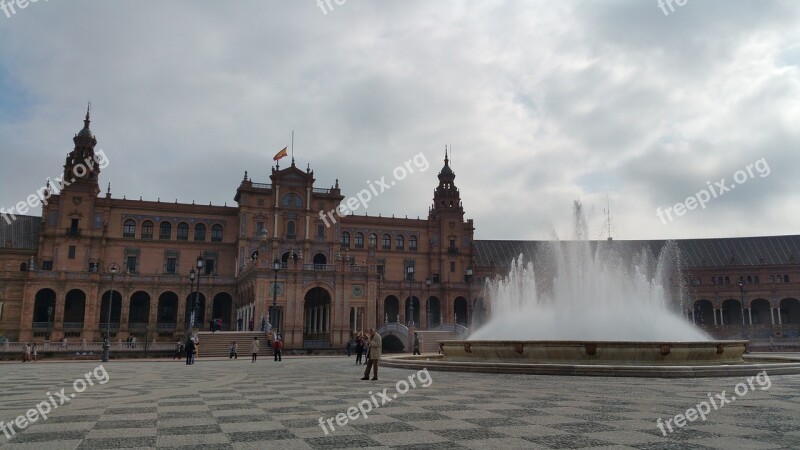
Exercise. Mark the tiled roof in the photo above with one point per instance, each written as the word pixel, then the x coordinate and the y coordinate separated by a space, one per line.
pixel 22 233
pixel 715 252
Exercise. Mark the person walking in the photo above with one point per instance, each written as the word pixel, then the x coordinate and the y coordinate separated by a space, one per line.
pixel 277 347
pixel 234 353
pixel 178 350
pixel 254 348
pixel 190 346
pixel 373 354
pixel 26 353
pixel 34 352
pixel 133 342
pixel 359 347
pixel 416 345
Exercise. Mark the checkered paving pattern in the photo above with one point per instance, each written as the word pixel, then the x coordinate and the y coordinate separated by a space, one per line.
pixel 218 404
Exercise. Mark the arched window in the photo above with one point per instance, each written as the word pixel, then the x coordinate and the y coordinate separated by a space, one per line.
pixel 216 233
pixel 755 279
pixel 165 231
pixel 727 280
pixel 786 278
pixel 359 240
pixel 373 240
pixel 387 242
pixel 183 231
pixel 23 267
pixel 129 229
pixel 292 200
pixel 345 239
pixel 147 229
pixel 412 243
pixel 749 279
pixel 200 232
pixel 401 242
pixel 291 230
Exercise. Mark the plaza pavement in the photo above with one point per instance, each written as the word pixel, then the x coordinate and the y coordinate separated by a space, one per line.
pixel 238 405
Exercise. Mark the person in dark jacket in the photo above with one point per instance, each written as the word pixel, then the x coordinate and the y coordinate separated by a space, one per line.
pixel 190 347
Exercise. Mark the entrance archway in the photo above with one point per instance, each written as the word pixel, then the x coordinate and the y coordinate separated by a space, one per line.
pixel 317 317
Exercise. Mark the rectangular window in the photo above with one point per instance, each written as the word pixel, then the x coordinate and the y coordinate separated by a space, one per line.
pixel 452 266
pixel 172 264
pixel 259 227
pixel 209 267
pixel 321 232
pixel 131 264
pixel 71 252
pixel 47 265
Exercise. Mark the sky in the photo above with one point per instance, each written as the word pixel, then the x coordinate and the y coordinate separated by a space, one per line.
pixel 617 103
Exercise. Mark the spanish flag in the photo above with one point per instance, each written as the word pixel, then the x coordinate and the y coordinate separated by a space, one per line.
pixel 280 154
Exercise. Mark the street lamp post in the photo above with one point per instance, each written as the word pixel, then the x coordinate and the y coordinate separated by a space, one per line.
pixel 410 274
pixel 276 266
pixel 107 341
pixel 194 279
pixel 428 282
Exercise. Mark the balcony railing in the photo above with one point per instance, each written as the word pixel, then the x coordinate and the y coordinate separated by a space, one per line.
pixel 73 232
pixel 319 267
pixel 73 325
pixel 166 326
pixel 452 250
pixel 42 325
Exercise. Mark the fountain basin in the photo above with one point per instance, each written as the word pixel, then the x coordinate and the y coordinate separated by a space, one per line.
pixel 596 352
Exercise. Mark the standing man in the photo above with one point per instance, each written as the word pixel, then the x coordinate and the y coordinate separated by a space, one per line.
pixel 416 345
pixel 373 354
pixel 277 347
pixel 189 351
pixel 254 349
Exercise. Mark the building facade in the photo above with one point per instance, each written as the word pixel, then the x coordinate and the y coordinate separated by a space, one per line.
pixel 285 259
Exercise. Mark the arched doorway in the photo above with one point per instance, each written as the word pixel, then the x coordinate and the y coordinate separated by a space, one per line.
pixel 44 312
pixel 703 313
pixel 731 312
pixel 116 311
pixel 223 309
pixel 200 317
pixel 320 260
pixel 392 344
pixel 139 310
pixel 760 311
pixel 74 310
pixel 316 318
pixel 790 311
pixel 460 309
pixel 436 312
pixel 391 309
pixel 167 311
pixel 412 314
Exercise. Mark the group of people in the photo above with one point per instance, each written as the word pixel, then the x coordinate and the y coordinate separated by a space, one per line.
pixel 191 347
pixel 216 325
pixel 255 346
pixel 29 353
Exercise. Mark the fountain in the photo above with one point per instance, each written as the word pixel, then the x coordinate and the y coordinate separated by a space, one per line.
pixel 591 308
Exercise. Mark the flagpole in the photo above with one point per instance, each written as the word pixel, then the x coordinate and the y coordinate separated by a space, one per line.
pixel 292 146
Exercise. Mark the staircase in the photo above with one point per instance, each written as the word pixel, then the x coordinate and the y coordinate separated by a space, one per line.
pixel 428 340
pixel 219 343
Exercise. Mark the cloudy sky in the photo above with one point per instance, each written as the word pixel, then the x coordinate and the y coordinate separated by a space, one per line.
pixel 542 102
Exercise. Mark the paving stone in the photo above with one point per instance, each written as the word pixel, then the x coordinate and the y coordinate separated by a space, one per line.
pixel 222 404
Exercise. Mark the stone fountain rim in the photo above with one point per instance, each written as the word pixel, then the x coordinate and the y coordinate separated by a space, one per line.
pixel 589 341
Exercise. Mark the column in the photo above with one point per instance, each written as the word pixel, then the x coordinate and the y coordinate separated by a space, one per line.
pixel 750 316
pixel 715 316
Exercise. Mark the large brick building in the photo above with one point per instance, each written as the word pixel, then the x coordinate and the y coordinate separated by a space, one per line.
pixel 333 274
